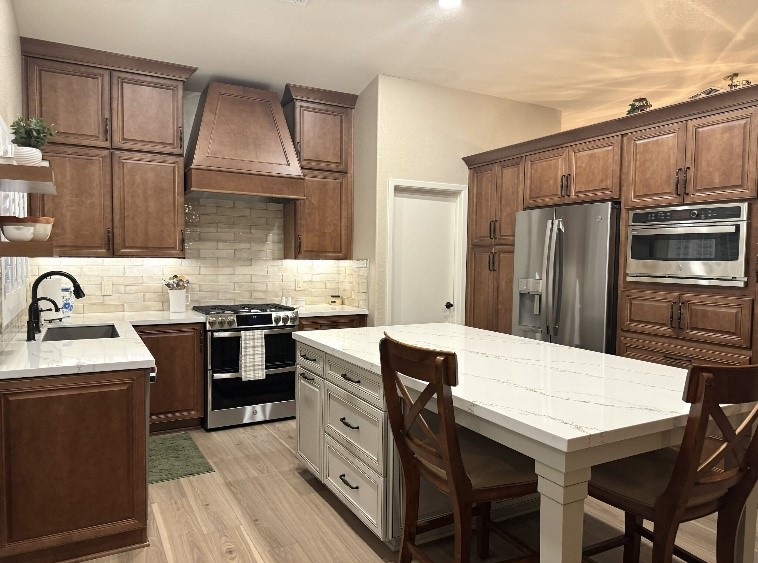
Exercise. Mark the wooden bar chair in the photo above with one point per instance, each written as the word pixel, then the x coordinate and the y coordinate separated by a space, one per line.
pixel 671 486
pixel 470 469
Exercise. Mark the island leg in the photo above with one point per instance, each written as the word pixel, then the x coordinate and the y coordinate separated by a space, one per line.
pixel 562 497
pixel 745 548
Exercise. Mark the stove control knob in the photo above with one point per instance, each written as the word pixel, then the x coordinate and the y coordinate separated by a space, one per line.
pixel 693 213
pixel 285 319
pixel 277 319
pixel 229 321
pixel 211 322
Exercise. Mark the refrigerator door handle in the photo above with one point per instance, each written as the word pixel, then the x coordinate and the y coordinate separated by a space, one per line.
pixel 555 289
pixel 545 281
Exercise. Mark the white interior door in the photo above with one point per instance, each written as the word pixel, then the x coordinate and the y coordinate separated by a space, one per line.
pixel 426 271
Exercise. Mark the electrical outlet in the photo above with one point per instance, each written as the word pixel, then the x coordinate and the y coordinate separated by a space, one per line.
pixel 299 284
pixel 107 287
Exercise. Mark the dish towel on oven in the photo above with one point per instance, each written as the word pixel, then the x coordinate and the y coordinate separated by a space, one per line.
pixel 252 355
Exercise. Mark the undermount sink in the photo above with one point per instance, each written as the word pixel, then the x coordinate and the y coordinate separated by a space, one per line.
pixel 55 334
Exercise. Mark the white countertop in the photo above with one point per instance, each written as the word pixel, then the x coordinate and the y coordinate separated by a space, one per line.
pixel 38 359
pixel 565 397
pixel 140 318
pixel 329 310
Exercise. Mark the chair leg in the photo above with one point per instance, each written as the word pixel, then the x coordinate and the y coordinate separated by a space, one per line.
pixel 726 534
pixel 633 539
pixel 462 514
pixel 412 484
pixel 483 530
pixel 664 535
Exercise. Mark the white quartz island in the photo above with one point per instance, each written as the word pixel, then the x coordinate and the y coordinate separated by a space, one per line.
pixel 567 408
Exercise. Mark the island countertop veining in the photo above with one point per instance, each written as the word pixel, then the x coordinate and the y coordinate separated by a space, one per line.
pixel 38 359
pixel 565 397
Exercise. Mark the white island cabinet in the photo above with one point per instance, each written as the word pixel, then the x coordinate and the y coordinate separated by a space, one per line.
pixel 568 409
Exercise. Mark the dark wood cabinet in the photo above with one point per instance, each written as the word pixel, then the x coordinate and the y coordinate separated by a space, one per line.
pixel 147 113
pixel 495 195
pixel 576 173
pixel 83 206
pixel 321 123
pixel 717 319
pixel 177 395
pixel 333 321
pixel 74 98
pixel 678 354
pixel 73 476
pixel 489 302
pixel 482 199
pixel 148 205
pixel 323 227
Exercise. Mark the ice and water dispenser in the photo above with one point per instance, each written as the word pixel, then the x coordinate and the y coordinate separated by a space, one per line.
pixel 530 304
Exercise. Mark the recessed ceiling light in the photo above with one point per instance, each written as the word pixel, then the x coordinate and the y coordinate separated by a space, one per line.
pixel 450 4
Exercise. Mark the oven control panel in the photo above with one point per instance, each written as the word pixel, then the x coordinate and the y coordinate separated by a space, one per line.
pixel 226 321
pixel 691 214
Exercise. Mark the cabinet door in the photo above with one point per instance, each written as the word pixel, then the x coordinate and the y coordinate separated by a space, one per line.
pixel 510 199
pixel 75 99
pixel 177 394
pixel 503 265
pixel 543 177
pixel 323 136
pixel 482 204
pixel 310 426
pixel 651 160
pixel 148 205
pixel 324 219
pixel 74 462
pixel 147 113
pixel 721 157
pixel 481 288
pixel 594 170
pixel 83 206
pixel 649 312
pixel 716 318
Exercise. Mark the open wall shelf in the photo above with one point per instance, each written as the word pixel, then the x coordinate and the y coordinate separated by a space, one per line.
pixel 28 249
pixel 27 179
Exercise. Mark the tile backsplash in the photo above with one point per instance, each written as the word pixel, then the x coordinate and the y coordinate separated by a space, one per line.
pixel 234 253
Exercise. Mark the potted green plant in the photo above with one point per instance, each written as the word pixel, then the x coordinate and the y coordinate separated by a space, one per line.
pixel 29 136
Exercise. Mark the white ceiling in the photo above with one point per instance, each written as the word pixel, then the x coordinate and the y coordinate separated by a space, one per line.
pixel 588 58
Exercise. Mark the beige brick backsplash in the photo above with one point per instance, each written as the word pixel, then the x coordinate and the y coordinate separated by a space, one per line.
pixel 234 253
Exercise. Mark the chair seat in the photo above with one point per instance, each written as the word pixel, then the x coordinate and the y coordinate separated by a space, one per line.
pixel 634 483
pixel 488 464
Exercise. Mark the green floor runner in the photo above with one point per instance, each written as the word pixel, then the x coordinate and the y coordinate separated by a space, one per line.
pixel 173 456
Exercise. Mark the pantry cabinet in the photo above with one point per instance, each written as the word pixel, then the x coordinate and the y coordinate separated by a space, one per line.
pixel 177 395
pixel 495 195
pixel 489 303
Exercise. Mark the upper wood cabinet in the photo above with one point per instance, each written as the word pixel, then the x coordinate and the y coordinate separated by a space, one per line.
pixel 489 302
pixel 495 195
pixel 713 318
pixel 83 206
pixel 712 158
pixel 74 98
pixel 580 172
pixel 177 396
pixel 321 123
pixel 147 113
pixel 148 205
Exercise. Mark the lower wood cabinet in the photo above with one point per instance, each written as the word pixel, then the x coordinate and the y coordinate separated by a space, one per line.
pixel 177 395
pixel 678 353
pixel 489 302
pixel 335 321
pixel 73 475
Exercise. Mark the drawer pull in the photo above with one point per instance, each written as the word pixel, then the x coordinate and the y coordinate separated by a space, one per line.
pixel 307 378
pixel 677 358
pixel 307 359
pixel 351 380
pixel 344 421
pixel 344 480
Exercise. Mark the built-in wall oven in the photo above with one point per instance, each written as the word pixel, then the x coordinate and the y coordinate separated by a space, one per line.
pixel 230 400
pixel 694 244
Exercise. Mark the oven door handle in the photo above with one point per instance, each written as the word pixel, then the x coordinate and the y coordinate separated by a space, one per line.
pixel 236 333
pixel 683 230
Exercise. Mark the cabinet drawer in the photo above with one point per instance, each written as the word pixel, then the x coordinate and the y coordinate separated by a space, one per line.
pixel 356 485
pixel 716 318
pixel 355 380
pixel 682 356
pixel 356 425
pixel 327 323
pixel 310 358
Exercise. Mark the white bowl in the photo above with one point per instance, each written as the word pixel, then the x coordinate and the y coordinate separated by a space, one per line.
pixel 41 231
pixel 18 233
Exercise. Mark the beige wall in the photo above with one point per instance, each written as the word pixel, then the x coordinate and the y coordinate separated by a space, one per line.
pixel 10 80
pixel 423 131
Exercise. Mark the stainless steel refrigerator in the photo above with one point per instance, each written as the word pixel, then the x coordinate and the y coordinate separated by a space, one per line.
pixel 565 272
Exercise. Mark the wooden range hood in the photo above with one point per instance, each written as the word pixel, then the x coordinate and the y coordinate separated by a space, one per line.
pixel 240 145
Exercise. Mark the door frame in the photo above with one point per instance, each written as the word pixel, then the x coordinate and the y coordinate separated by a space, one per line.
pixel 460 193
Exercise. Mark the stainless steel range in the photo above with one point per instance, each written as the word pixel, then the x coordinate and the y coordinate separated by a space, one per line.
pixel 230 401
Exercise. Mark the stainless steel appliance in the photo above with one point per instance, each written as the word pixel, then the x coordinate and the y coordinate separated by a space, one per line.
pixel 230 400
pixel 564 279
pixel 693 244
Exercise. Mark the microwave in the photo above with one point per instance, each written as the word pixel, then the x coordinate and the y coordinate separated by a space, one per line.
pixel 693 244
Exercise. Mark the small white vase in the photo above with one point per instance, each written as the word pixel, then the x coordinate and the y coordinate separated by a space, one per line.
pixel 178 299
pixel 27 156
